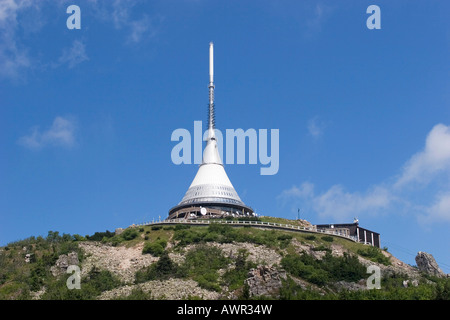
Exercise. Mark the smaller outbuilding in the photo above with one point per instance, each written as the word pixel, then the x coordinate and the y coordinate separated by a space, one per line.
pixel 353 229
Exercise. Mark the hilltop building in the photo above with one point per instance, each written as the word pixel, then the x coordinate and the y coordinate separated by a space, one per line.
pixel 354 230
pixel 211 193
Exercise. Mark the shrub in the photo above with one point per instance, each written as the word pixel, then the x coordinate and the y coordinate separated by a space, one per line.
pixel 347 267
pixel 181 227
pixel 290 290
pixel 155 248
pixel 136 294
pixel 235 277
pixel 321 248
pixel 327 238
pixel 129 234
pixel 98 236
pixel 188 236
pixel 284 239
pixel 163 269
pixel 202 263
pixel 91 286
pixel 320 272
pixel 374 254
pixel 248 219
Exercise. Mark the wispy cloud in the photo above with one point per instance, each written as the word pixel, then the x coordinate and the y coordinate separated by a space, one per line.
pixel 316 127
pixel 125 16
pixel 336 202
pixel 74 55
pixel 420 172
pixel 23 17
pixel 434 159
pixel 438 211
pixel 141 29
pixel 13 56
pixel 319 15
pixel 60 134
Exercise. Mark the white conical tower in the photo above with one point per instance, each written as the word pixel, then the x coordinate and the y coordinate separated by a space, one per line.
pixel 211 188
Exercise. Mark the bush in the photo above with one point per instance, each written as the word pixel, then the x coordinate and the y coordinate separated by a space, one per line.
pixel 129 234
pixel 248 219
pixel 347 267
pixel 374 254
pixel 202 263
pixel 290 290
pixel 321 248
pixel 284 240
pixel 181 227
pixel 327 238
pixel 320 272
pixel 92 286
pixel 98 236
pixel 235 277
pixel 155 248
pixel 163 269
pixel 136 294
pixel 188 236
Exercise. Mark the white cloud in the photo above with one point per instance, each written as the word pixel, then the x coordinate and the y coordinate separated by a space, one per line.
pixel 306 190
pixel 122 13
pixel 433 159
pixel 337 203
pixel 60 134
pixel 438 211
pixel 423 170
pixel 74 55
pixel 19 17
pixel 141 29
pixel 13 57
pixel 340 204
pixel 315 127
pixel 316 20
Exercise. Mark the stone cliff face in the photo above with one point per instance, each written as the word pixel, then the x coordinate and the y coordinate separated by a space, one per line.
pixel 63 262
pixel 427 264
pixel 263 280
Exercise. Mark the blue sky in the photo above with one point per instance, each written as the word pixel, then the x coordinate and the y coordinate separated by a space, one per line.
pixel 86 116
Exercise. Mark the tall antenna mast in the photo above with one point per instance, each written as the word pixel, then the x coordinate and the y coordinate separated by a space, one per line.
pixel 202 196
pixel 211 115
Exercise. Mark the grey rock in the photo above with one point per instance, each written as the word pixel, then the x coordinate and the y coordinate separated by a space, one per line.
pixel 426 263
pixel 28 257
pixel 408 283
pixel 351 286
pixel 118 231
pixel 63 262
pixel 264 280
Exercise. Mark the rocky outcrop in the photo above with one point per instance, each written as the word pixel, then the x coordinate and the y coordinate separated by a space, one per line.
pixel 258 254
pixel 351 286
pixel 427 264
pixel 265 281
pixel 171 289
pixel 121 261
pixel 63 262
pixel 29 257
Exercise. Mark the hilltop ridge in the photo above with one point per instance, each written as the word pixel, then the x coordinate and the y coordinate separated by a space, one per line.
pixel 216 261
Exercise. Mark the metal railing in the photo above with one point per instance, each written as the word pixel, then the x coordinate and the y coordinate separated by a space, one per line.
pixel 260 224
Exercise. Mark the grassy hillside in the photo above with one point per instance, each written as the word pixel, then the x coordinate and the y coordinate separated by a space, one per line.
pixel 215 259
